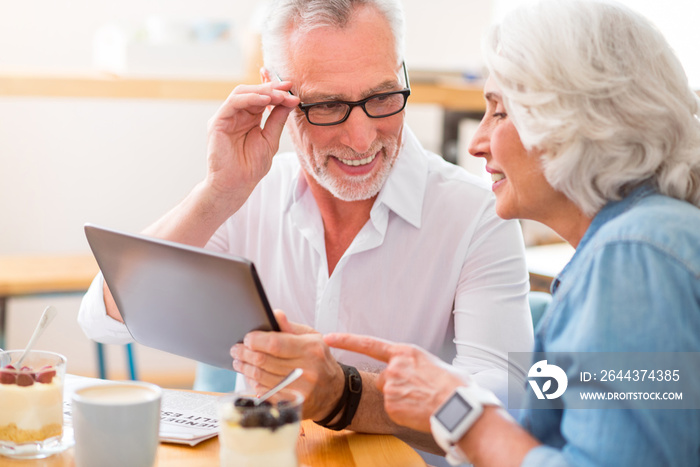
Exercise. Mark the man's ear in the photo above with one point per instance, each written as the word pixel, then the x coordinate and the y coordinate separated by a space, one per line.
pixel 265 75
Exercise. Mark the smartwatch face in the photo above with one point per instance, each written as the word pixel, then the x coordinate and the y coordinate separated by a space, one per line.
pixel 453 412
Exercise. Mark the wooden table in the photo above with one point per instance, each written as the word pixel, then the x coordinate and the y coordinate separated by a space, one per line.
pixel 317 447
pixel 38 275
pixel 55 274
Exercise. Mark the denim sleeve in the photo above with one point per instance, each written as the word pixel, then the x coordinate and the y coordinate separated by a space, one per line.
pixel 544 456
pixel 632 296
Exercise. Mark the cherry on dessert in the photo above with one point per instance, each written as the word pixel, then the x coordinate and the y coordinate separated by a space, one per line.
pixel 28 370
pixel 25 379
pixel 45 375
pixel 8 377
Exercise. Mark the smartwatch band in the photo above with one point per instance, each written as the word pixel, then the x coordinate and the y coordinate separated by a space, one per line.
pixel 446 437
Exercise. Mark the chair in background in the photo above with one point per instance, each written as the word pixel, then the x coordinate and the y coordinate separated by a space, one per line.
pixel 212 379
pixel 539 301
pixel 102 367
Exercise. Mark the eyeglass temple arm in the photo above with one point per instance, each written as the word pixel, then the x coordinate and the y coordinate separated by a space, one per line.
pixel 405 74
pixel 280 79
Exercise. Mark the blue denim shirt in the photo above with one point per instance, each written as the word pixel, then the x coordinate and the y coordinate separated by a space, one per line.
pixel 632 286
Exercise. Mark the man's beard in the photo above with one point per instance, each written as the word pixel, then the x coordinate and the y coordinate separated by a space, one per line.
pixel 351 188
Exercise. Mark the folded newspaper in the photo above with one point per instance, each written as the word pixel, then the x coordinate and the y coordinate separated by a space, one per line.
pixel 185 417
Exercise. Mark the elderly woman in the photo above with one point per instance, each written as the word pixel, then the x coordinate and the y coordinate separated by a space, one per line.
pixel 590 128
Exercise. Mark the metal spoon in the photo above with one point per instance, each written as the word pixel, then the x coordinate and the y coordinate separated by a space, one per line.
pixel 295 373
pixel 48 316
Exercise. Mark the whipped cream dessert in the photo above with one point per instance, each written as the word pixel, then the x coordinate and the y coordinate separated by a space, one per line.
pixel 31 405
pixel 260 436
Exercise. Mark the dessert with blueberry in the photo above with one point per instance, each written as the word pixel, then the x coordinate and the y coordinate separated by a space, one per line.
pixel 259 435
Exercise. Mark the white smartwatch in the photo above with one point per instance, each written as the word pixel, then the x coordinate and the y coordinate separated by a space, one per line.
pixel 456 415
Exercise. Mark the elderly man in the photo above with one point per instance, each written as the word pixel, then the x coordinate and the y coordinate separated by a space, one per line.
pixel 361 230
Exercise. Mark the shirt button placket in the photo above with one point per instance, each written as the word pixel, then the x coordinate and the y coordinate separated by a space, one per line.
pixel 327 307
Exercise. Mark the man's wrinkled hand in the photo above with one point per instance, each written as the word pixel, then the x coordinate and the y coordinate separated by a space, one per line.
pixel 264 358
pixel 239 147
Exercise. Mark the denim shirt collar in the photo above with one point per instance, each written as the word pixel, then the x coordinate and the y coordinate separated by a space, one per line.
pixel 609 212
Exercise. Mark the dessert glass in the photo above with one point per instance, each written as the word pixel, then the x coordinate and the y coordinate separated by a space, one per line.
pixel 260 436
pixel 31 404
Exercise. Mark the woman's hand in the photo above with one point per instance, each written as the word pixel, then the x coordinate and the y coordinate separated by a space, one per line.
pixel 415 383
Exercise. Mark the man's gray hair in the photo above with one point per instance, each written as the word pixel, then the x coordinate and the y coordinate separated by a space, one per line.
pixel 597 88
pixel 284 16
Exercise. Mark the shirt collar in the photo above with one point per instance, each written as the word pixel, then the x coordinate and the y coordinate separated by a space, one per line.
pixel 297 188
pixel 609 212
pixel 613 209
pixel 404 190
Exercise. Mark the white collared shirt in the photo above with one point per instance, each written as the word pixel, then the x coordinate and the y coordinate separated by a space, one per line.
pixel 434 265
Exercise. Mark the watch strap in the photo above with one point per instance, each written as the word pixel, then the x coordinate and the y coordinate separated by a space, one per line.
pixel 482 395
pixel 349 400
pixel 353 391
pixel 455 456
pixel 476 396
pixel 336 410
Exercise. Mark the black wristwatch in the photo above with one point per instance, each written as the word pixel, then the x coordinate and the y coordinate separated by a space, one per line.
pixel 349 401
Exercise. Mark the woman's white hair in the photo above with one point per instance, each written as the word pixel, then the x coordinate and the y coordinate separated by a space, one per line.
pixel 285 16
pixel 596 87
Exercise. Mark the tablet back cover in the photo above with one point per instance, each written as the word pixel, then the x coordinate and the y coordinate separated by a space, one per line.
pixel 180 299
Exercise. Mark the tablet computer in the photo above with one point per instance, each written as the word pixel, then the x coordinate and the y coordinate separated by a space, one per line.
pixel 181 299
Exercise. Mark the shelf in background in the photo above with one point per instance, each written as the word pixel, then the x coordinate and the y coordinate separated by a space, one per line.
pixel 450 96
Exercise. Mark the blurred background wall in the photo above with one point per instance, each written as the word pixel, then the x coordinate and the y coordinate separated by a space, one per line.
pixel 124 162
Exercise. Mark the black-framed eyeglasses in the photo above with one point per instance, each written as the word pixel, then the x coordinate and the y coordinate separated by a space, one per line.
pixel 383 104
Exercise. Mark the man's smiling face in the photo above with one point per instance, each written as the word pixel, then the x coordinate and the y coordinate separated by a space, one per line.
pixel 353 159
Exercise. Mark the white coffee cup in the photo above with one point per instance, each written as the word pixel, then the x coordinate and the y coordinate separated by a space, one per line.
pixel 116 424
